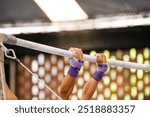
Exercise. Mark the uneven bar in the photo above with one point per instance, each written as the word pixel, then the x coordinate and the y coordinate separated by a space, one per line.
pixel 61 52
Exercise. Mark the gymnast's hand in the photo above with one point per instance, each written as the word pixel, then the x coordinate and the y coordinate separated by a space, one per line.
pixel 101 58
pixel 77 53
pixel 75 62
pixel 101 67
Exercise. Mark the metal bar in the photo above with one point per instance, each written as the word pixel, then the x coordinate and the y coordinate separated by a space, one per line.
pixel 3 93
pixel 2 81
pixel 61 52
pixel 1 59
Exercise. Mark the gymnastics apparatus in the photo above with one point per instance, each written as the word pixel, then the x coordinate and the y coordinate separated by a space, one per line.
pixel 12 40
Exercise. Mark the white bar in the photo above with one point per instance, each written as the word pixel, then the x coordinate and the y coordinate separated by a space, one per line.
pixel 61 52
pixel 43 48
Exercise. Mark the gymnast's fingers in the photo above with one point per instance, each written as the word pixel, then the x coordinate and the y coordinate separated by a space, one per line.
pixel 77 53
pixel 101 58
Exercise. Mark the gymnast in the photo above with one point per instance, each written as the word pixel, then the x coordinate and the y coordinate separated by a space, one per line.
pixel 68 83
pixel 89 88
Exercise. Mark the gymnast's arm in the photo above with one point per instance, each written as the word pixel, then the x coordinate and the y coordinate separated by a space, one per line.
pixel 91 85
pixel 68 83
pixel 66 87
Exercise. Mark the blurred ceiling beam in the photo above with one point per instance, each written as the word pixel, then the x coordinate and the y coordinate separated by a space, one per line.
pixel 112 22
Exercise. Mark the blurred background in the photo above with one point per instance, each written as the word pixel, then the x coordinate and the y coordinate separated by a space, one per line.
pixel 119 28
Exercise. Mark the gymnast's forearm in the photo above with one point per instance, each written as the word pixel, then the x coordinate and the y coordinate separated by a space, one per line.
pixel 91 85
pixel 66 87
pixel 89 89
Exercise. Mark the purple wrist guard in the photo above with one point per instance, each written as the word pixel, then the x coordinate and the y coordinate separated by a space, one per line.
pixel 100 70
pixel 75 63
pixel 75 67
pixel 73 71
pixel 98 75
